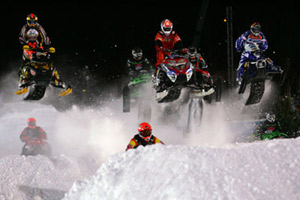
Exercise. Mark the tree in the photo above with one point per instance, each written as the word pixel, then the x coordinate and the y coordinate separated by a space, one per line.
pixel 287 116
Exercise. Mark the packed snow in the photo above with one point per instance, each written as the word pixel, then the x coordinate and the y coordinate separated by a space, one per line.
pixel 263 170
pixel 36 177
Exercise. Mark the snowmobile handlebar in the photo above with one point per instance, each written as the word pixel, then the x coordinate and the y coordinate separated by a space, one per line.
pixel 49 50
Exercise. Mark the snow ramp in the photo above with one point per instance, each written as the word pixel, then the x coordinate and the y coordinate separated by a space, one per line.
pixel 260 170
pixel 36 177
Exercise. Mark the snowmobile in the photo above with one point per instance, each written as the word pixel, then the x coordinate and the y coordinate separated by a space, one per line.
pixel 257 68
pixel 36 147
pixel 135 92
pixel 175 73
pixel 41 72
pixel 273 135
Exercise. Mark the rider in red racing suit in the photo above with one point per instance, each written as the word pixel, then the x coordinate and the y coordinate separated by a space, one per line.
pixel 166 40
pixel 32 131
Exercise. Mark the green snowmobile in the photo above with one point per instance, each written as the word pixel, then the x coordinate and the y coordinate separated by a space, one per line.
pixel 273 135
pixel 135 92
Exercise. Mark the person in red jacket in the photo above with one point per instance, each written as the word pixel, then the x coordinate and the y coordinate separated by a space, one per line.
pixel 165 41
pixel 32 131
pixel 144 137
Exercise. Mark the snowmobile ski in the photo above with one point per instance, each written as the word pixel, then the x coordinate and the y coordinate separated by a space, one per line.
pixel 22 91
pixel 66 92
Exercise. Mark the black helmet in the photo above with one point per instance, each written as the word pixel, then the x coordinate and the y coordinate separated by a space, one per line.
pixel 192 53
pixel 255 28
pixel 31 19
pixel 137 53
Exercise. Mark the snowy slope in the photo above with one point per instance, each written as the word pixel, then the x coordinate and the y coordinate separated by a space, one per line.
pixel 38 177
pixel 262 170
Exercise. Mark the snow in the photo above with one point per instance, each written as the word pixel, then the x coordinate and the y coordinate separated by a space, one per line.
pixel 262 170
pixel 89 160
pixel 36 177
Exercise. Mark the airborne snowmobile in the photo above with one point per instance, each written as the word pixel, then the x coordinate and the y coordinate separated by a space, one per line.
pixel 175 73
pixel 257 68
pixel 135 92
pixel 40 73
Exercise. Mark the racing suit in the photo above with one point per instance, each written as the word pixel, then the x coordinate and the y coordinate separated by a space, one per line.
pixel 165 43
pixel 134 67
pixel 33 133
pixel 137 141
pixel 248 37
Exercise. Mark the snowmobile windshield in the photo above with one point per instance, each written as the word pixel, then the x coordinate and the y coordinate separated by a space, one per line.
pixel 178 65
pixel 40 57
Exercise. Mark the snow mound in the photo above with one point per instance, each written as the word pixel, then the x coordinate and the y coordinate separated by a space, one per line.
pixel 36 177
pixel 262 170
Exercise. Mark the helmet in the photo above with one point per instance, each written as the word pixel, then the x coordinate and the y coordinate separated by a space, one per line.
pixel 255 28
pixel 31 19
pixel 31 122
pixel 192 53
pixel 270 117
pixel 137 53
pixel 166 27
pixel 32 35
pixel 145 131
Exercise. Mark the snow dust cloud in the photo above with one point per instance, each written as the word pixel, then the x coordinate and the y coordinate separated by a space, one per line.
pixel 90 134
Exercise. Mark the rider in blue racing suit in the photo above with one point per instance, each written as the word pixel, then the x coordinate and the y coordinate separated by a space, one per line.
pixel 254 35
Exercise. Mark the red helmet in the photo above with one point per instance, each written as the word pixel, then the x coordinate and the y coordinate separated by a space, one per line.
pixel 166 27
pixel 31 19
pixel 145 131
pixel 31 122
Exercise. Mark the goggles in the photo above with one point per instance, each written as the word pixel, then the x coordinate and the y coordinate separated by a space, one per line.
pixel 167 29
pixel 31 124
pixel 145 133
pixel 138 55
pixel 31 22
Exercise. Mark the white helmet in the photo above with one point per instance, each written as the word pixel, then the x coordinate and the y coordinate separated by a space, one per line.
pixel 32 35
pixel 166 27
pixel 270 117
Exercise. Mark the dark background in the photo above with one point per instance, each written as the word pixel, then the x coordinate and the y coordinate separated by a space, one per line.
pixel 101 36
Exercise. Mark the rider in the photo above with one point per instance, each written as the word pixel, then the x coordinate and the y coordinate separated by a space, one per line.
pixel 165 41
pixel 144 137
pixel 254 35
pixel 270 128
pixel 31 23
pixel 196 58
pixel 138 63
pixel 32 131
pixel 200 65
pixel 33 36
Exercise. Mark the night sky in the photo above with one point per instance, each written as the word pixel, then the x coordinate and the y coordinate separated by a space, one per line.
pixel 102 36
